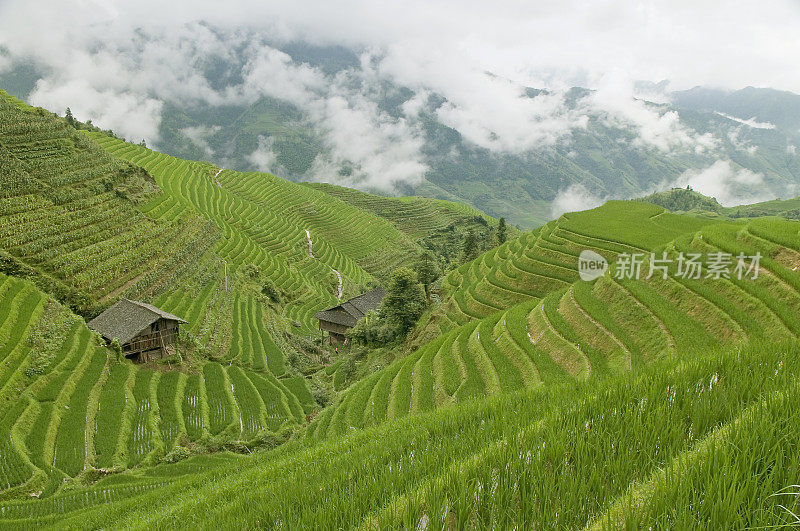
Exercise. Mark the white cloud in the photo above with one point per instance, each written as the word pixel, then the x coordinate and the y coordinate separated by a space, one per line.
pixel 381 151
pixel 573 199
pixel 131 115
pixel 115 62
pixel 740 144
pixel 729 184
pixel 751 122
pixel 263 157
pixel 791 149
pixel 199 135
pixel 655 125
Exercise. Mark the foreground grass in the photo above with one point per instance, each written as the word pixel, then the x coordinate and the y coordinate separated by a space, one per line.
pixel 708 440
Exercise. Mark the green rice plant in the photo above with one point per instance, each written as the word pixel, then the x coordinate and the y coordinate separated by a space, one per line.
pixel 169 395
pixel 277 404
pixel 141 440
pixel 546 338
pixel 192 408
pixel 251 409
pixel 474 385
pixel 69 451
pixel 449 368
pixel 508 374
pixel 298 387
pixel 222 410
pixel 109 416
pixel 548 457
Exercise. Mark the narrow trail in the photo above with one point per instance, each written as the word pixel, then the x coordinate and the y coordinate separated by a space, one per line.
pixel 218 183
pixel 310 251
pixel 311 254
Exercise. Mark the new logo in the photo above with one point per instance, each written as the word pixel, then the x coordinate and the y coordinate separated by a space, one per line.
pixel 591 265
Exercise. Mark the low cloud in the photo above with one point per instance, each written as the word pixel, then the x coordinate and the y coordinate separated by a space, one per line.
pixel 751 122
pixel 731 185
pixel 574 198
pixel 115 63
pixel 263 158
pixel 366 148
pixel 734 135
pixel 655 125
pixel 130 115
pixel 199 136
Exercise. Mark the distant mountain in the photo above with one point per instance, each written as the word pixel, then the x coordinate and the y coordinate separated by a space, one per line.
pixel 643 148
pixel 765 105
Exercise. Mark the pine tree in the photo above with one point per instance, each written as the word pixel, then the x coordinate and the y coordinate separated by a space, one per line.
pixel 69 117
pixel 502 231
pixel 428 270
pixel 404 301
pixel 470 249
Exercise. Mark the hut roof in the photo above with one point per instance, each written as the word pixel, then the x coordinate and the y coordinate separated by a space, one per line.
pixel 349 312
pixel 338 316
pixel 125 319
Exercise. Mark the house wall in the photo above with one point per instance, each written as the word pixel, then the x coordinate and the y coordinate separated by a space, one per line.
pixel 147 345
pixel 333 327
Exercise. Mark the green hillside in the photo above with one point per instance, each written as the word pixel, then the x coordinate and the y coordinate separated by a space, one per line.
pixel 683 200
pixel 645 449
pixel 86 219
pixel 515 400
pixel 497 332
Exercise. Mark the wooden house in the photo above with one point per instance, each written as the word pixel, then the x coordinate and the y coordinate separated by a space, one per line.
pixel 339 319
pixel 143 331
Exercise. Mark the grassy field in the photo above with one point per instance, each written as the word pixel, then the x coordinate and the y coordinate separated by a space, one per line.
pixel 495 335
pixel 642 449
pixel 81 225
pixel 525 398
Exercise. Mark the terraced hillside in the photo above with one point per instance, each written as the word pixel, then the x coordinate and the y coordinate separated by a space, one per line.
pixel 707 440
pixel 88 227
pixel 416 216
pixel 545 260
pixel 66 218
pixel 71 221
pixel 576 330
pixel 274 213
pixel 67 405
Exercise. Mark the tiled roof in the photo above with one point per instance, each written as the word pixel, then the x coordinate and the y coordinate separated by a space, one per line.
pixel 125 319
pixel 349 312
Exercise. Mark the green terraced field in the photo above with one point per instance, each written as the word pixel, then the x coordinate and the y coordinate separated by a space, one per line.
pixel 642 449
pixel 84 409
pixel 581 329
pixel 416 216
pixel 62 215
pixel 525 398
pixel 542 261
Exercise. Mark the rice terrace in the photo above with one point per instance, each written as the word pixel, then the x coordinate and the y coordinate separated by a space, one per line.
pixel 263 268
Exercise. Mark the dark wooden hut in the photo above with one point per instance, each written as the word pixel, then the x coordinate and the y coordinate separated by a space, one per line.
pixel 143 331
pixel 339 319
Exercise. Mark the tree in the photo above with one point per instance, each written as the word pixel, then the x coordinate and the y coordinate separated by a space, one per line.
pixel 428 270
pixel 116 348
pixel 470 249
pixel 69 117
pixel 502 231
pixel 404 301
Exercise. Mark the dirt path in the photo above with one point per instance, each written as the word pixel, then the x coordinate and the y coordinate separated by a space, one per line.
pixel 215 178
pixel 311 254
pixel 310 251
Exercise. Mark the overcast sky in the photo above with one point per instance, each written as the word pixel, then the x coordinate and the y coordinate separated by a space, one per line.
pixel 118 62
